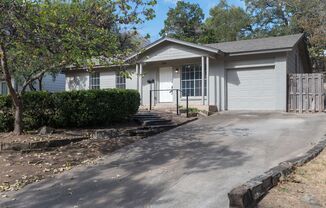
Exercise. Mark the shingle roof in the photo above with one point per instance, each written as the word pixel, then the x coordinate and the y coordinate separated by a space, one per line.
pixel 262 44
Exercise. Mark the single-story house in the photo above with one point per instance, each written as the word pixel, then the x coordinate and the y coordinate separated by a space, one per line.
pixel 239 75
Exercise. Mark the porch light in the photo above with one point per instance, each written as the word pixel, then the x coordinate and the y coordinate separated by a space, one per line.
pixel 177 70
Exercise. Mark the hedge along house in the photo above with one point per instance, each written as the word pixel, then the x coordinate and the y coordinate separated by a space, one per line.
pixel 239 75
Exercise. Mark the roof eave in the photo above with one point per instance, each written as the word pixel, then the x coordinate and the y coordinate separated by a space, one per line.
pixel 259 52
pixel 159 41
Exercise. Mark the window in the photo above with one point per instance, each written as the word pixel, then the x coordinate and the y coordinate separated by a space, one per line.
pixel 191 80
pixel 120 81
pixel 4 88
pixel 95 80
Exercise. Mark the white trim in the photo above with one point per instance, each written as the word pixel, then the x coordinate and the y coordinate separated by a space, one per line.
pixel 141 82
pixel 260 52
pixel 203 79
pixel 207 78
pixel 172 40
pixel 137 76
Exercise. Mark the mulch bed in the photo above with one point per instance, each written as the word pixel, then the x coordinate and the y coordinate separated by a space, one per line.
pixel 19 168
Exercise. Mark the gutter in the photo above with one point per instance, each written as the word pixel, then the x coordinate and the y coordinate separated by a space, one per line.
pixel 259 52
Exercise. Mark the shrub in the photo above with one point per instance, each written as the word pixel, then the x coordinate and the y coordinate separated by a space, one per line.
pixel 38 109
pixel 71 109
pixel 6 114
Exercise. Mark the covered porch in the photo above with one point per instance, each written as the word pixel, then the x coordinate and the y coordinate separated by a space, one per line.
pixel 164 84
pixel 169 70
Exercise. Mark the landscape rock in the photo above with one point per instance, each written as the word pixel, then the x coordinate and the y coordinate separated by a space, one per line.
pixel 45 130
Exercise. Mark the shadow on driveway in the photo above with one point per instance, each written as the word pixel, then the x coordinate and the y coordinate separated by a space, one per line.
pixel 138 175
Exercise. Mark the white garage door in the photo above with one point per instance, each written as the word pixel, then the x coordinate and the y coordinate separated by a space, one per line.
pixel 251 89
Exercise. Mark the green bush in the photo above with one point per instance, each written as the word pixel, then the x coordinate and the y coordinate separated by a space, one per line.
pixel 38 109
pixel 71 109
pixel 6 114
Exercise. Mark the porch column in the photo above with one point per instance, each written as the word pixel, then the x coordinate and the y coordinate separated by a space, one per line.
pixel 141 83
pixel 203 80
pixel 137 77
pixel 207 78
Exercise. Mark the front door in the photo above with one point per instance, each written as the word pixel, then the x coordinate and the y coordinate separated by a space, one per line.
pixel 166 84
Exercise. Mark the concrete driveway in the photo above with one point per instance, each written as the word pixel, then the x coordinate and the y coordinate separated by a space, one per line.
pixel 195 165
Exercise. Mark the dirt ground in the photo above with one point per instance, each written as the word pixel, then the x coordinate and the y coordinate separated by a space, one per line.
pixel 25 138
pixel 18 169
pixel 305 188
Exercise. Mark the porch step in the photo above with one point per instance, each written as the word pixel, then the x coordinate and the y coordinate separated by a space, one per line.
pixel 152 120
pixel 166 126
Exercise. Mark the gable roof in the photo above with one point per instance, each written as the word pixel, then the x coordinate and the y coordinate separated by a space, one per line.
pixel 255 45
pixel 173 40
pixel 242 47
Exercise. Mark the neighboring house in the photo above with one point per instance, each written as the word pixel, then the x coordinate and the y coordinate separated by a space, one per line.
pixel 49 83
pixel 239 75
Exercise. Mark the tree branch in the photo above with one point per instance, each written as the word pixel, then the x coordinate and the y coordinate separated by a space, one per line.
pixel 32 78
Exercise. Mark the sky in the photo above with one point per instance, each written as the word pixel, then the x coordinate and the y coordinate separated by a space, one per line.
pixel 154 26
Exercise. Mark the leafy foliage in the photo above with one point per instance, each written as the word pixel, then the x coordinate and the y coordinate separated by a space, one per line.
pixel 226 23
pixel 283 17
pixel 71 109
pixel 37 37
pixel 6 115
pixel 184 22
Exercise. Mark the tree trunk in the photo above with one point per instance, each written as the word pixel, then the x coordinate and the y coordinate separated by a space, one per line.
pixel 18 104
pixel 18 128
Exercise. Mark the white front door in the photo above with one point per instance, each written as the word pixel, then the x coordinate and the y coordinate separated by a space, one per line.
pixel 166 84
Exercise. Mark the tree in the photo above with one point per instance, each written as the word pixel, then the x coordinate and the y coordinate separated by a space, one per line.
pixel 184 22
pixel 132 40
pixel 37 37
pixel 270 18
pixel 283 17
pixel 226 23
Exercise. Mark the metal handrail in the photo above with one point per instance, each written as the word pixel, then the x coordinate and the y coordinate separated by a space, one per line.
pixel 171 90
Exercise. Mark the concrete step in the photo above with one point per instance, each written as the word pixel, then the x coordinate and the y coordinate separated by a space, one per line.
pixel 163 126
pixel 156 122
pixel 152 124
pixel 144 132
pixel 141 120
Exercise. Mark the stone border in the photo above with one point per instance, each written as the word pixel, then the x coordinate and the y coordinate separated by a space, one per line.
pixel 249 194
pixel 40 145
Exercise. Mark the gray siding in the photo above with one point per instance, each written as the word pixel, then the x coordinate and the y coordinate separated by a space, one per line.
pixel 172 52
pixel 80 80
pixel 294 62
pixel 131 83
pixel 54 83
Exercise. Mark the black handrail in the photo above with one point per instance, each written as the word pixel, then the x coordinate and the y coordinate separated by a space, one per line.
pixel 171 90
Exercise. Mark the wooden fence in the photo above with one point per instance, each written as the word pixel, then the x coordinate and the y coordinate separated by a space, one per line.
pixel 306 92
